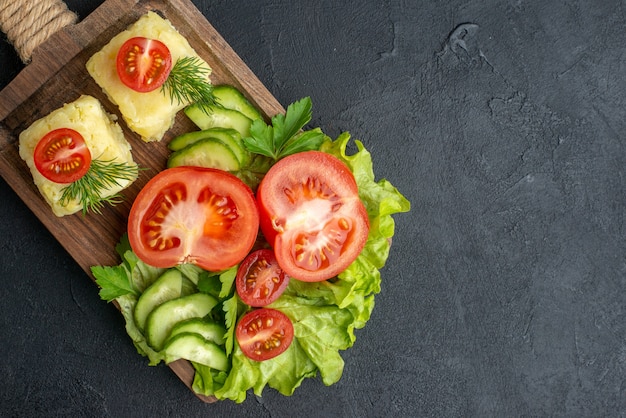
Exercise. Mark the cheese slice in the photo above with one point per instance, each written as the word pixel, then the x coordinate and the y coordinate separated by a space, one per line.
pixel 148 114
pixel 102 135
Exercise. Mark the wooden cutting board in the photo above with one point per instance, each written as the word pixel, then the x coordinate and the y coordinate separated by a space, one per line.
pixel 57 75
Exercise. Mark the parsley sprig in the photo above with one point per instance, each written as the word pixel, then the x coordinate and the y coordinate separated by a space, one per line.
pixel 285 136
pixel 188 82
pixel 101 176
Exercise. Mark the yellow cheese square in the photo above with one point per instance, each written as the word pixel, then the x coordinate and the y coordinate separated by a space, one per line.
pixel 102 135
pixel 148 114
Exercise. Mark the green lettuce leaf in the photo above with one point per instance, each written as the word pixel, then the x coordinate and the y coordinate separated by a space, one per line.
pixel 284 373
pixel 140 274
pixel 127 306
pixel 206 379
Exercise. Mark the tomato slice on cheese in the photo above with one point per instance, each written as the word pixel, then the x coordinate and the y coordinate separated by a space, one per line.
pixel 62 156
pixel 143 64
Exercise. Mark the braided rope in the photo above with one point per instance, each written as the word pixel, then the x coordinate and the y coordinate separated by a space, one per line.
pixel 28 23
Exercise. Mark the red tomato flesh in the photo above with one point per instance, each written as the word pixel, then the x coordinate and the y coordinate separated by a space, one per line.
pixel 195 215
pixel 312 216
pixel 143 64
pixel 260 280
pixel 264 333
pixel 62 156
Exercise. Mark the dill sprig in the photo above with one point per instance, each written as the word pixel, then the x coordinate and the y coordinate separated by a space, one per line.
pixel 101 176
pixel 187 82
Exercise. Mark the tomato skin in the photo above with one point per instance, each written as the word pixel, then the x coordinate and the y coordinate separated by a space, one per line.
pixel 62 156
pixel 143 64
pixel 260 280
pixel 264 333
pixel 197 215
pixel 312 216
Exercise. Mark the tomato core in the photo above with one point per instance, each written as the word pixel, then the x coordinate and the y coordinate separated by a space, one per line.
pixel 143 64
pixel 62 156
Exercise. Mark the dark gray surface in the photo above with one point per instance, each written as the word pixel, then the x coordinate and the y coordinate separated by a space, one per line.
pixel 505 294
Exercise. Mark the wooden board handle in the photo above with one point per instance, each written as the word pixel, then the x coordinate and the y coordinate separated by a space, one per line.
pixel 28 23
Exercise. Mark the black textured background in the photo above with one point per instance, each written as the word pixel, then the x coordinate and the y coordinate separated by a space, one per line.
pixel 505 294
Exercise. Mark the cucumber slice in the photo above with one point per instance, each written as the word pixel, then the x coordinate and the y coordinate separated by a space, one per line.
pixel 209 152
pixel 170 285
pixel 230 137
pixel 211 331
pixel 184 140
pixel 219 117
pixel 231 98
pixel 165 316
pixel 194 347
pixel 181 141
pixel 233 140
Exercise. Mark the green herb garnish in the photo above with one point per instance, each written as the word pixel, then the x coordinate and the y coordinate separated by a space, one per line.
pixel 101 176
pixel 284 136
pixel 113 281
pixel 187 82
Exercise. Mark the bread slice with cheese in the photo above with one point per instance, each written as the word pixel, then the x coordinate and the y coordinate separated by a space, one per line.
pixel 103 136
pixel 152 113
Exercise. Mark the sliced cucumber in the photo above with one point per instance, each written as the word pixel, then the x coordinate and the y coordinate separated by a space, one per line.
pixel 211 331
pixel 165 316
pixel 194 347
pixel 170 285
pixel 230 137
pixel 219 117
pixel 184 140
pixel 181 141
pixel 209 152
pixel 231 98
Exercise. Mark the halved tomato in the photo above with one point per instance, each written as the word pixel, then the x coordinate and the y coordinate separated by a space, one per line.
pixel 62 156
pixel 264 333
pixel 143 64
pixel 195 215
pixel 312 216
pixel 260 280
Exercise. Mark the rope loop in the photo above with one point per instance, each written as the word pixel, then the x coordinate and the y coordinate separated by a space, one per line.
pixel 28 23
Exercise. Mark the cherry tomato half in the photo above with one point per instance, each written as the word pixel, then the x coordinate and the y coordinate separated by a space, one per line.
pixel 260 280
pixel 143 64
pixel 264 333
pixel 312 215
pixel 195 215
pixel 62 156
